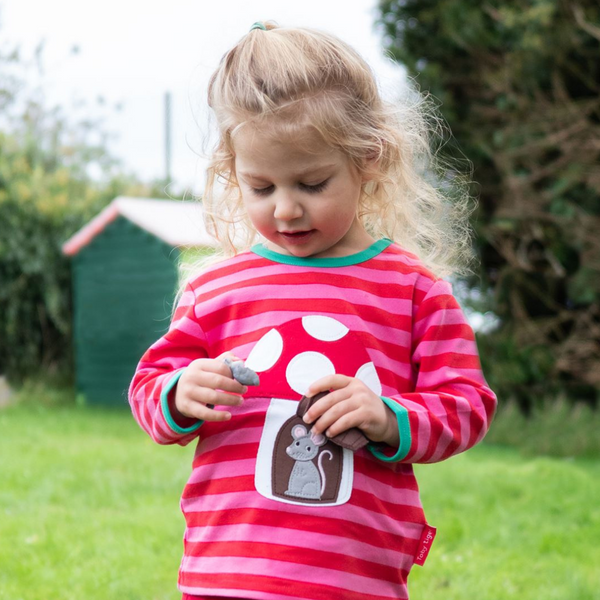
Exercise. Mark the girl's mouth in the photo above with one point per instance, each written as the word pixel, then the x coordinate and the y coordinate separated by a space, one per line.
pixel 296 237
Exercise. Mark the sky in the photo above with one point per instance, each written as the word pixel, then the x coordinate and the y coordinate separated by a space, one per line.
pixel 131 53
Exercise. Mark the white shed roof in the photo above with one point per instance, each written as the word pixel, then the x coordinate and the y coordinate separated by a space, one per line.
pixel 178 223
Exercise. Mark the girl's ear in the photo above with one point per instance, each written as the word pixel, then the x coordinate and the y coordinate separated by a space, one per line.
pixel 370 167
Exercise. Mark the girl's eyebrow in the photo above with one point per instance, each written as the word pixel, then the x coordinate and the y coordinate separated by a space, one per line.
pixel 299 174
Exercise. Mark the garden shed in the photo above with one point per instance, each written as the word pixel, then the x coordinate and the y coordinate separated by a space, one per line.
pixel 125 276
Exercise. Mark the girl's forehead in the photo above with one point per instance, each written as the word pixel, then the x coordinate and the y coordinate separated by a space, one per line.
pixel 253 142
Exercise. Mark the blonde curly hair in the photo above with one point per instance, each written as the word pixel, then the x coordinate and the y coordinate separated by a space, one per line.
pixel 291 78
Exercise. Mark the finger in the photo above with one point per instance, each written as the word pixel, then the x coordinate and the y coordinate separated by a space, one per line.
pixel 204 395
pixel 198 410
pixel 345 422
pixel 324 404
pixel 229 355
pixel 331 416
pixel 327 383
pixel 212 365
pixel 216 377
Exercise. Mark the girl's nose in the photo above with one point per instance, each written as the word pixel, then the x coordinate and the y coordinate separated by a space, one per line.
pixel 286 208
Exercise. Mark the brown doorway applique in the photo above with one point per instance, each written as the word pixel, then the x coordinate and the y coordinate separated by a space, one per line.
pixel 308 468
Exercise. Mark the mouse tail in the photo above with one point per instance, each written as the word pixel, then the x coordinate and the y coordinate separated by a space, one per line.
pixel 322 471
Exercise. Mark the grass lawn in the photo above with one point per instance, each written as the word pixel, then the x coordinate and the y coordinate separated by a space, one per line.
pixel 89 508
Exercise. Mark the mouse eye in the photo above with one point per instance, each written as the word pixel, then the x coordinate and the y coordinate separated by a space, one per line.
pixel 297 443
pixel 308 449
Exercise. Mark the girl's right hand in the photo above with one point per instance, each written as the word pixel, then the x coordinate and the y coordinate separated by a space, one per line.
pixel 206 383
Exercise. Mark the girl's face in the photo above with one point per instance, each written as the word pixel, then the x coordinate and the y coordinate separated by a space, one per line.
pixel 303 202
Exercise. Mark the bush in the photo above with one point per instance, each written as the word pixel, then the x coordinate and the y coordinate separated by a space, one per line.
pixel 518 82
pixel 40 207
pixel 55 174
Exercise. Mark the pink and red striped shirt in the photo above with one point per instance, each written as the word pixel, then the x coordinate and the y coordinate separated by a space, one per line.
pixel 263 523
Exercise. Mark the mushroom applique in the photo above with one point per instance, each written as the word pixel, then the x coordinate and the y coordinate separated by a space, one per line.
pixel 291 466
pixel 292 356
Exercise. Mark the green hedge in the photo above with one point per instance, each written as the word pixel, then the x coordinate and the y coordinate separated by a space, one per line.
pixel 42 203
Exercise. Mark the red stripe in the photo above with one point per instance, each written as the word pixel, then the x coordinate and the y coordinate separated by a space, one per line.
pixel 448 332
pixel 276 585
pixel 300 556
pixel 449 359
pixel 245 483
pixel 432 305
pixel 279 519
pixel 223 485
pixel 249 421
pixel 387 289
pixel 331 306
pixel 229 267
pixel 399 512
pixel 237 452
pixel 403 478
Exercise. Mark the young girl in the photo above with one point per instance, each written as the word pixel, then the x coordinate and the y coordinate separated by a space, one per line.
pixel 347 330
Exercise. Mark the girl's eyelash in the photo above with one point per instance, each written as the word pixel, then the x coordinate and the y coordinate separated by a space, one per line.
pixel 311 189
pixel 262 191
pixel 315 189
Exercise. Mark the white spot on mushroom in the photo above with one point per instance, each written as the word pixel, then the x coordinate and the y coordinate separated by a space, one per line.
pixel 323 328
pixel 368 375
pixel 266 352
pixel 306 368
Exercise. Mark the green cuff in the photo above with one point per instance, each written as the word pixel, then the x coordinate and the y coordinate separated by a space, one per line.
pixel 403 431
pixel 164 403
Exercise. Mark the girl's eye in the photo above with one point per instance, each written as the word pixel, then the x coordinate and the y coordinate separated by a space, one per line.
pixel 315 189
pixel 310 189
pixel 262 191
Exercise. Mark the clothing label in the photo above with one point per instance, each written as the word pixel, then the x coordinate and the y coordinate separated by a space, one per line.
pixel 425 542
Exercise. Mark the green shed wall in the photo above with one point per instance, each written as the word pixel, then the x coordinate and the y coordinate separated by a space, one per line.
pixel 124 284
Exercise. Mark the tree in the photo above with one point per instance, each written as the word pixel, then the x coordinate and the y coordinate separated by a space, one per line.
pixel 55 174
pixel 519 82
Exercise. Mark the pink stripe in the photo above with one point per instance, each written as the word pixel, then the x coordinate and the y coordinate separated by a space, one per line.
pixel 229 439
pixel 283 570
pixel 188 298
pixel 424 428
pixel 386 493
pixel 433 409
pixel 275 318
pixel 309 291
pixel 212 472
pixel 449 316
pixel 212 280
pixel 437 347
pixel 170 362
pixel 398 255
pixel 243 261
pixel 436 411
pixel 235 593
pixel 449 377
pixel 362 482
pixel 301 539
pixel 397 367
pixel 187 326
pixel 345 512
pixel 439 288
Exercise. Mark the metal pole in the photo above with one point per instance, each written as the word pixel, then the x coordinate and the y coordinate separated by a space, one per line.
pixel 168 137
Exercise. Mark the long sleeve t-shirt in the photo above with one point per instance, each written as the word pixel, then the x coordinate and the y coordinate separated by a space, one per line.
pixel 270 513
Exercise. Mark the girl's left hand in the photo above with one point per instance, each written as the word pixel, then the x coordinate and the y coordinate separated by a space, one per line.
pixel 350 403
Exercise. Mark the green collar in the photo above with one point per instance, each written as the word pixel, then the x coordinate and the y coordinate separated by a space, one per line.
pixel 337 261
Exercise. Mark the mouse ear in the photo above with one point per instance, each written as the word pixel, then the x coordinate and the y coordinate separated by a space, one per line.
pixel 318 439
pixel 298 431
